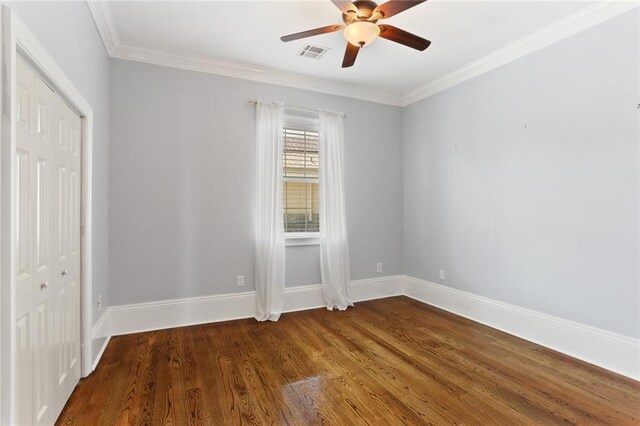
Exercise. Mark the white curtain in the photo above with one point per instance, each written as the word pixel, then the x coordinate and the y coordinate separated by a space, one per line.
pixel 334 247
pixel 269 214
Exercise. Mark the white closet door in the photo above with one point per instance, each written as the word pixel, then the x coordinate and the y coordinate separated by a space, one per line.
pixel 25 159
pixel 66 234
pixel 48 250
pixel 43 393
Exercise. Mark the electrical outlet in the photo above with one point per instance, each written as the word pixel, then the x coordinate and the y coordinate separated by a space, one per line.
pixel 240 280
pixel 442 274
pixel 100 303
pixel 379 267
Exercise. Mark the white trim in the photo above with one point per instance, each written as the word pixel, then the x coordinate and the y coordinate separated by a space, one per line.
pixel 98 356
pixel 638 159
pixel 303 297
pixel 579 21
pixel 310 296
pixel 297 120
pixel 605 349
pixel 106 24
pixel 301 235
pixel 294 239
pixel 17 36
pixel 7 166
pixel 227 68
pixel 376 288
pixel 140 317
pixel 101 329
pixel 126 319
pixel 3 181
pixel 299 242
pixel 612 351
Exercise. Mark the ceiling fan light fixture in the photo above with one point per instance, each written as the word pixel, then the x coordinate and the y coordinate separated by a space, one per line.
pixel 361 29
pixel 361 33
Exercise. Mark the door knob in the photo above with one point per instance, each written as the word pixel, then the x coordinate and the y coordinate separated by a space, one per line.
pixel 44 285
pixel 64 273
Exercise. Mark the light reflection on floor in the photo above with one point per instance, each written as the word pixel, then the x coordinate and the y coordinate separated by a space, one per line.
pixel 304 392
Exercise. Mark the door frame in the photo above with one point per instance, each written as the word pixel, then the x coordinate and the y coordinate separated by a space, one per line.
pixel 16 38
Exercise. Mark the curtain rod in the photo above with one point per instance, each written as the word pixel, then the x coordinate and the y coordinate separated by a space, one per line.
pixel 314 111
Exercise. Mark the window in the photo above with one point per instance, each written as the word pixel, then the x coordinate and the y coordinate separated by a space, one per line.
pixel 301 176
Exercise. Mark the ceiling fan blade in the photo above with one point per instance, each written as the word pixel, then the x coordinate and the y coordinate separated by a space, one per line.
pixel 309 33
pixel 345 6
pixel 401 36
pixel 350 55
pixel 393 7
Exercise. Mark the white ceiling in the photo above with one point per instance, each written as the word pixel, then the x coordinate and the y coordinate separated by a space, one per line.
pixel 248 32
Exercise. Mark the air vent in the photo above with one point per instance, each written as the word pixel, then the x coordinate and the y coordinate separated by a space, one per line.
pixel 313 52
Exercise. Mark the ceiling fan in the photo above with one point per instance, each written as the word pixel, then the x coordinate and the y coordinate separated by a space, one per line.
pixel 361 28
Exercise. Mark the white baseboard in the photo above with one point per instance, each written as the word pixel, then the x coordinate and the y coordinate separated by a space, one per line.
pixel 100 330
pixel 141 317
pixel 614 352
pixel 301 298
pixel 376 288
pixel 96 359
pixel 102 327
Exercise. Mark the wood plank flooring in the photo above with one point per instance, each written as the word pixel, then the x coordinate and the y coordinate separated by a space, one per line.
pixel 384 362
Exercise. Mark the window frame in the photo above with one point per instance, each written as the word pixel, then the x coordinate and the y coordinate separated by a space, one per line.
pixel 300 120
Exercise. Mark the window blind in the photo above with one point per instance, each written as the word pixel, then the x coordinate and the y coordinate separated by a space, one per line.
pixel 301 185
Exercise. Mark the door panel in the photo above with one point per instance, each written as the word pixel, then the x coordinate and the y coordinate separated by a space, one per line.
pixel 43 213
pixel 42 355
pixel 61 327
pixel 42 111
pixel 74 214
pixel 24 370
pixel 25 79
pixel 74 139
pixel 74 365
pixel 44 396
pixel 23 215
pixel 63 211
pixel 63 129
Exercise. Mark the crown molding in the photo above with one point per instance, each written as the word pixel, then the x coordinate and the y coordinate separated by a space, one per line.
pixel 251 72
pixel 579 21
pixel 106 24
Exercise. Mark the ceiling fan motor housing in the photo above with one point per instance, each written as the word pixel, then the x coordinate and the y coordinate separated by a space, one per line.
pixel 365 12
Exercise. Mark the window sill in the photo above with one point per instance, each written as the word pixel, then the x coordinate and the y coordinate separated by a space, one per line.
pixel 302 239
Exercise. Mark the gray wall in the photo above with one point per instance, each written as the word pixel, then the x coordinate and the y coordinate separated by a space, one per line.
pixel 522 184
pixel 181 183
pixel 68 33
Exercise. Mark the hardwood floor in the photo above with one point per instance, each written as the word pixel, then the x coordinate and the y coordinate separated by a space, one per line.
pixel 384 362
